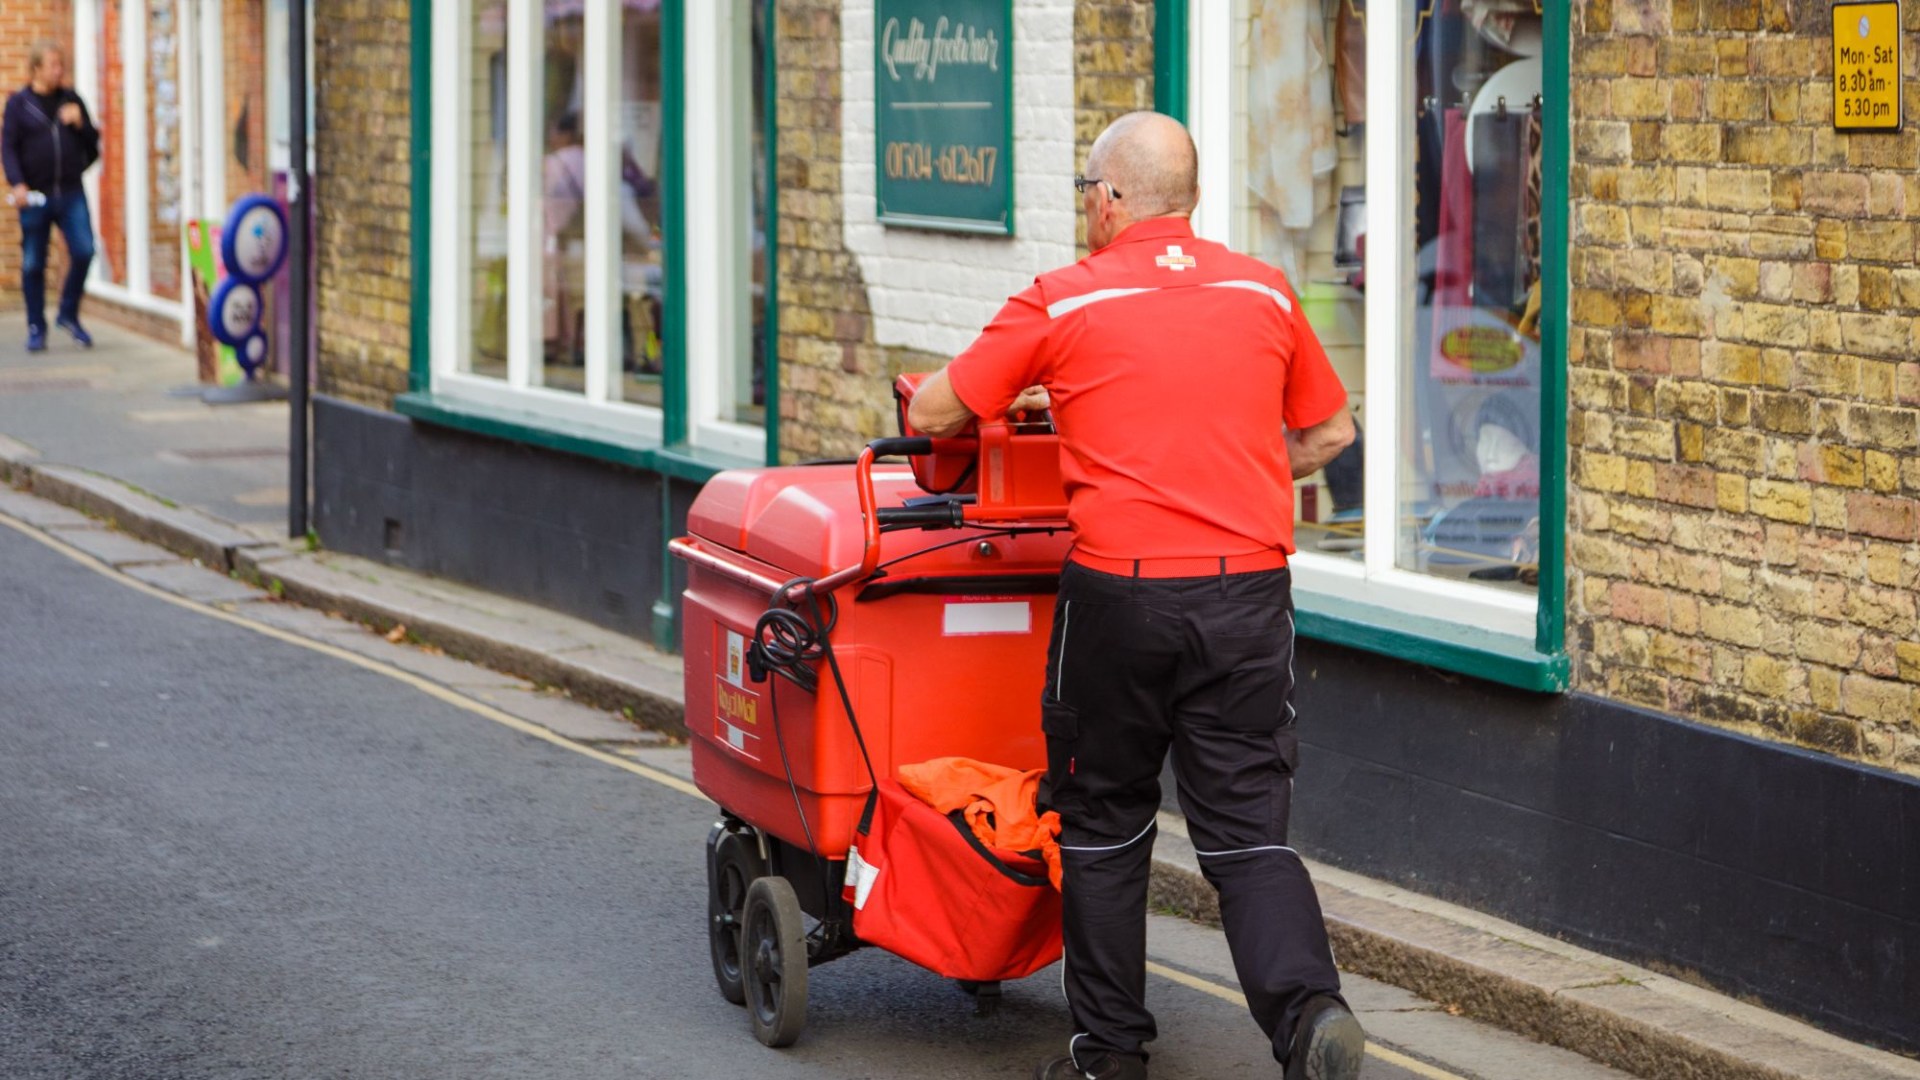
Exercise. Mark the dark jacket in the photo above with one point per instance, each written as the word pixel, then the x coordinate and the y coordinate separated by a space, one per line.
pixel 40 151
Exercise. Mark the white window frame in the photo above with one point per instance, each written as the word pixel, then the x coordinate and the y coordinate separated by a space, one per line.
pixel 126 120
pixel 713 225
pixel 1376 579
pixel 719 97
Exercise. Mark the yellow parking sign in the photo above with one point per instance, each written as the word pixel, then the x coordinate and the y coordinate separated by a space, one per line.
pixel 1866 65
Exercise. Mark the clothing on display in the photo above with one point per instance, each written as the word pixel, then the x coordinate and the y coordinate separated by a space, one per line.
pixel 1350 61
pixel 1503 222
pixel 1290 103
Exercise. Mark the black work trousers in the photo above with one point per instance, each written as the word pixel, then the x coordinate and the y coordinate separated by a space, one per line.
pixel 1203 666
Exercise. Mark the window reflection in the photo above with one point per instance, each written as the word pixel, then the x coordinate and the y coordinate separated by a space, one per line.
pixel 747 402
pixel 638 194
pixel 1301 99
pixel 487 189
pixel 1469 437
pixel 562 112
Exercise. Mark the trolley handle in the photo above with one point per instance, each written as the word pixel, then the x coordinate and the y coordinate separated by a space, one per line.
pixel 921 445
pixel 946 514
pixel 903 446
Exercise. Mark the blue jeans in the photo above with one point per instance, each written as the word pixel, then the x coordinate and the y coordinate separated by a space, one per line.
pixel 69 212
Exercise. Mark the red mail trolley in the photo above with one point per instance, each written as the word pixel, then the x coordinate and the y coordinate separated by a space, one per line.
pixel 842 619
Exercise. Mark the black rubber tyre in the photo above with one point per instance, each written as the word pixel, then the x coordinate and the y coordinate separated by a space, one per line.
pixel 773 957
pixel 733 861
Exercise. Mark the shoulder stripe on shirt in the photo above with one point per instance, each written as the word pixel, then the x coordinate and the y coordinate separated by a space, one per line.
pixel 1268 291
pixel 1075 303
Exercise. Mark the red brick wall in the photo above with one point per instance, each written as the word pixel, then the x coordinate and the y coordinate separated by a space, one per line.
pixel 110 225
pixel 244 27
pixel 23 24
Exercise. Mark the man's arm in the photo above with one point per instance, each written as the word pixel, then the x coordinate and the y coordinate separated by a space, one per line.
pixel 1311 448
pixel 936 410
pixel 996 372
pixel 10 131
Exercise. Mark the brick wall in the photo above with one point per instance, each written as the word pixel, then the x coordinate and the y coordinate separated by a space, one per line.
pixel 362 198
pixel 834 374
pixel 110 223
pixel 860 303
pixel 1744 379
pixel 23 24
pixel 1112 72
pixel 243 25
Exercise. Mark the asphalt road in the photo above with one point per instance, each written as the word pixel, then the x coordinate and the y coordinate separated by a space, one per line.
pixel 225 855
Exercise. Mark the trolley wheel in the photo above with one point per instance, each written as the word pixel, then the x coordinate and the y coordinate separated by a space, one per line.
pixel 773 954
pixel 732 863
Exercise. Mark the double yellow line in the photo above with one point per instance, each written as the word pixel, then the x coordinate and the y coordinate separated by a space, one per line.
pixel 504 719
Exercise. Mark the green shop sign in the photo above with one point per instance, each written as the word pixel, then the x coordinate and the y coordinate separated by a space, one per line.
pixel 943 102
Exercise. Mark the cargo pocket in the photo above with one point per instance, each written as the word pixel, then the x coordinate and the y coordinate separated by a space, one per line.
pixel 1060 722
pixel 1259 687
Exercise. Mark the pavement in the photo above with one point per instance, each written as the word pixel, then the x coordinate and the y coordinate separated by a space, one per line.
pixel 179 496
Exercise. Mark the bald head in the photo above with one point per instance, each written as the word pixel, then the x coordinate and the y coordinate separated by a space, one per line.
pixel 1149 158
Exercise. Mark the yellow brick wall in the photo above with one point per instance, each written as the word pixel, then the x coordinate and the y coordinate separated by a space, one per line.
pixel 362 199
pixel 1112 70
pixel 835 379
pixel 1744 379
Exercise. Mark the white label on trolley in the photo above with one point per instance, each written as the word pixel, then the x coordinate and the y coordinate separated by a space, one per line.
pixel 736 659
pixel 968 617
pixel 861 874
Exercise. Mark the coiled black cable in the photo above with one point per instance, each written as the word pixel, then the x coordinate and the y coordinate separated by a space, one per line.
pixel 787 638
pixel 791 634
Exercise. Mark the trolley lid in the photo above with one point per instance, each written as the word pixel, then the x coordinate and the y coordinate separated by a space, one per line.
pixel 803 519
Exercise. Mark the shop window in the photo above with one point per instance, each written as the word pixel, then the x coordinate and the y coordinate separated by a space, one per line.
pixel 565 191
pixel 1404 203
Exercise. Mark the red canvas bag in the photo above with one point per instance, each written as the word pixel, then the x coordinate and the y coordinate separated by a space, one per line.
pixel 923 887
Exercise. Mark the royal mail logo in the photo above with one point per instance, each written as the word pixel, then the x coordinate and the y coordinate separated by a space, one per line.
pixel 736 658
pixel 1176 260
pixel 735 705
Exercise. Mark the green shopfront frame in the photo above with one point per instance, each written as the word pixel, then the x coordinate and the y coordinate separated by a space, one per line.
pixel 1534 661
pixel 674 439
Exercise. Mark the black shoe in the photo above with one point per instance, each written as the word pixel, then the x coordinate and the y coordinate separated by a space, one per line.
pixel 36 338
pixel 1099 1067
pixel 72 326
pixel 1327 1043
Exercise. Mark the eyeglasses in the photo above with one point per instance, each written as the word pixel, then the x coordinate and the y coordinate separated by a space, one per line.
pixel 1081 183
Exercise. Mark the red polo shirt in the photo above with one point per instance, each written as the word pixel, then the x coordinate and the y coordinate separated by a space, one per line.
pixel 1175 366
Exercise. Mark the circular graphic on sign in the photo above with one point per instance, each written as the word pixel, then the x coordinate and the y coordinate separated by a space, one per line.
pixel 254 240
pixel 252 353
pixel 234 312
pixel 1866 27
